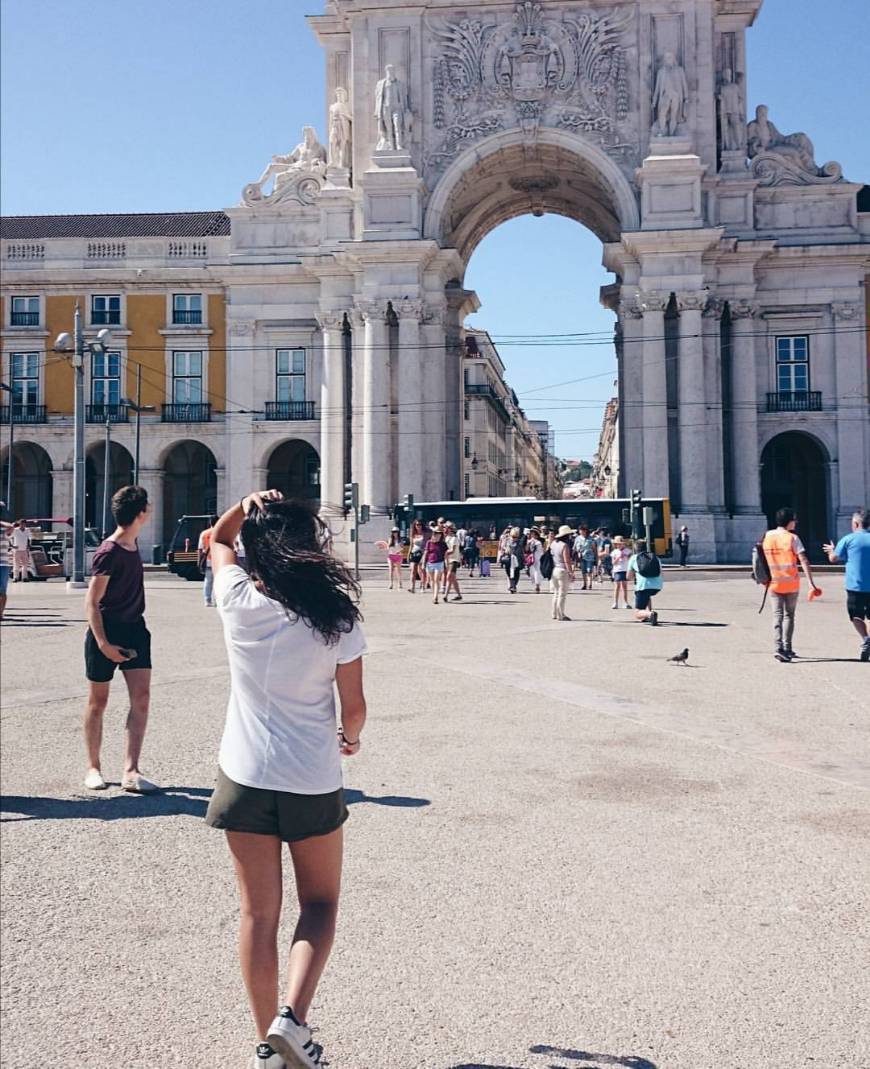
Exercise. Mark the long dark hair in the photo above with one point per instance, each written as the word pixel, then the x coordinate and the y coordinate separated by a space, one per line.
pixel 285 544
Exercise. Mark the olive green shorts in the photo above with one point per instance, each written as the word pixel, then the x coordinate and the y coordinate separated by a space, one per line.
pixel 286 816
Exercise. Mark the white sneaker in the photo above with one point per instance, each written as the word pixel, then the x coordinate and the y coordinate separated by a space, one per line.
pixel 137 784
pixel 293 1041
pixel 94 781
pixel 266 1058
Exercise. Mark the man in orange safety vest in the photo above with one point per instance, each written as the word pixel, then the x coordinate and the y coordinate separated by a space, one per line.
pixel 784 550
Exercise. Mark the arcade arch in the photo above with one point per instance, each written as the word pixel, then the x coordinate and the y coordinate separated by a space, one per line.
pixel 32 481
pixel 794 474
pixel 294 469
pixel 189 484
pixel 120 474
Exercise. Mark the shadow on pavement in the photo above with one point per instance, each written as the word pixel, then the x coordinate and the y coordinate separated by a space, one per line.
pixel 354 797
pixel 592 1059
pixel 171 801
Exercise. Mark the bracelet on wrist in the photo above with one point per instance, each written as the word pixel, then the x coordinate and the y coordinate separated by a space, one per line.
pixel 346 740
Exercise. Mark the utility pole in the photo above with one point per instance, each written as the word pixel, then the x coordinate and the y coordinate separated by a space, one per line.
pixel 351 504
pixel 106 469
pixel 9 481
pixel 138 408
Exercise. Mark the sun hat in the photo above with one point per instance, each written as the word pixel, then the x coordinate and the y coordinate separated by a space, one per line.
pixel 396 529
pixel 619 541
pixel 564 530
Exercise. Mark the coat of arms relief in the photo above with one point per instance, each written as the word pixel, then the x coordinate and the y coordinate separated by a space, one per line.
pixel 566 69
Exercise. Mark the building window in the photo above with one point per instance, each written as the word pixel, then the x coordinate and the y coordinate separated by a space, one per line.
pixel 186 378
pixel 467 447
pixel 290 375
pixel 105 310
pixel 106 379
pixel 187 308
pixel 467 485
pixel 793 364
pixel 25 312
pixel 312 471
pixel 467 409
pixel 25 378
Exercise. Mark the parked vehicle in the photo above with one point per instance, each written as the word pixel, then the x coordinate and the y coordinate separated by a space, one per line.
pixel 182 556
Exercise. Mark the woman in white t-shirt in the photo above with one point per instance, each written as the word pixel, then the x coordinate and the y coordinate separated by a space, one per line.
pixel 292 632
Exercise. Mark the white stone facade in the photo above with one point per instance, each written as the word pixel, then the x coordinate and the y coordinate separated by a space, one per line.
pixel 726 247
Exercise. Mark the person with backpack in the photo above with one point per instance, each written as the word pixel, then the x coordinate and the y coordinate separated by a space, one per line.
pixel 648 582
pixel 534 550
pixel 783 551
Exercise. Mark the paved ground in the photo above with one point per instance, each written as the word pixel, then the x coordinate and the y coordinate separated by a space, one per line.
pixel 564 853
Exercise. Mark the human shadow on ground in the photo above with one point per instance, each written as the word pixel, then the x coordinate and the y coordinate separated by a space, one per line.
pixel 33 623
pixel 354 797
pixel 826 660
pixel 593 1060
pixel 170 801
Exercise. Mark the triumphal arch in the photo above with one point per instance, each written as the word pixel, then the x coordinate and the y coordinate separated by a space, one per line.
pixel 728 241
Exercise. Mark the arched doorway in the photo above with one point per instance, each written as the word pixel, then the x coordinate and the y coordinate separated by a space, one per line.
pixel 794 475
pixel 189 484
pixel 294 469
pixel 98 509
pixel 32 487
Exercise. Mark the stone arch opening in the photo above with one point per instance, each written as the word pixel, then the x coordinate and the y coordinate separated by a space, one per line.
pixel 505 176
pixel 97 506
pixel 189 484
pixel 32 482
pixel 794 474
pixel 294 469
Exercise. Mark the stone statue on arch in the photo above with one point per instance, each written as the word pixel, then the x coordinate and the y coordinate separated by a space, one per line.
pixel 670 97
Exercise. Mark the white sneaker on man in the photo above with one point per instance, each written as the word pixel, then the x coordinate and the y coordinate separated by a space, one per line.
pixel 136 783
pixel 94 780
pixel 293 1041
pixel 266 1058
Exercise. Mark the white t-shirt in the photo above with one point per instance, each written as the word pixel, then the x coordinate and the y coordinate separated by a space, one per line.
pixel 280 728
pixel 620 556
pixel 19 538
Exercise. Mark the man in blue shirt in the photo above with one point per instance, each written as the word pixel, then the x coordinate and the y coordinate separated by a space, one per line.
pixel 854 550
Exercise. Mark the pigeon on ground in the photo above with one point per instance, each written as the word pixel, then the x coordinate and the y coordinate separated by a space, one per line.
pixel 680 658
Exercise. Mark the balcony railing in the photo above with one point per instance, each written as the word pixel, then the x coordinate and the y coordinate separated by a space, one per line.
pixel 290 410
pixel 23 414
pixel 107 318
pixel 24 319
pixel 115 413
pixel 484 389
pixel 187 317
pixel 795 401
pixel 188 412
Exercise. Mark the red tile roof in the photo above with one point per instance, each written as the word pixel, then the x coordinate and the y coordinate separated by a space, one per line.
pixel 140 225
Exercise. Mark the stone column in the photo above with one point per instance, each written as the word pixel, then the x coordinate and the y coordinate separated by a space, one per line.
pixel 710 327
pixel 744 409
pixel 435 407
pixel 332 416
pixel 375 482
pixel 453 395
pixel 412 399
pixel 631 394
pixel 239 460
pixel 852 436
pixel 692 404
pixel 655 410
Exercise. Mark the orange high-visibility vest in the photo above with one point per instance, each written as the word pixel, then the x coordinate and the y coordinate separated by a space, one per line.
pixel 782 561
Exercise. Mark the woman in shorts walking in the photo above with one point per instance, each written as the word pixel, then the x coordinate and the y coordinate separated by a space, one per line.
pixel 436 550
pixel 292 631
pixel 620 555
pixel 417 543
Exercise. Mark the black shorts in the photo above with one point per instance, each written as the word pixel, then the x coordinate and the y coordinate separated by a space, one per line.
pixel 132 636
pixel 858 604
pixel 286 816
pixel 643 598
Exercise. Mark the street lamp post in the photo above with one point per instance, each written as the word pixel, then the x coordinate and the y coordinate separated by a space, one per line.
pixel 138 408
pixel 76 345
pixel 9 486
pixel 106 470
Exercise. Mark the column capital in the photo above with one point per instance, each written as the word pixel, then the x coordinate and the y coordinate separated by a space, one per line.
pixel 409 308
pixel 371 311
pixel 844 310
pixel 744 309
pixel 241 328
pixel 330 319
pixel 653 300
pixel 714 308
pixel 692 300
pixel 630 308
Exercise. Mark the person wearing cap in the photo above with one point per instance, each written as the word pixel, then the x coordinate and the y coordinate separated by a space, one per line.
pixel 436 550
pixel 619 558
pixel 683 545
pixel 563 571
pixel 452 560
pixel 645 586
pixel 395 557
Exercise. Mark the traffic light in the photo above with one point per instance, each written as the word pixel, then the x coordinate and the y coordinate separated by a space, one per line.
pixel 409 502
pixel 365 513
pixel 636 498
pixel 351 496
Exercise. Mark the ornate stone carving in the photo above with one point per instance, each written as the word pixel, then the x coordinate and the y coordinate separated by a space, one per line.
pixel 340 131
pixel 240 328
pixel 567 71
pixel 714 308
pixel 785 159
pixel 370 310
pixel 409 308
pixel 692 302
pixel 653 301
pixel 330 319
pixel 392 112
pixel 298 176
pixel 743 309
pixel 630 309
pixel 670 97
pixel 731 114
pixel 844 310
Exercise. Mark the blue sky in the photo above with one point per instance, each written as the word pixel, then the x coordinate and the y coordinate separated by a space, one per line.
pixel 114 106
